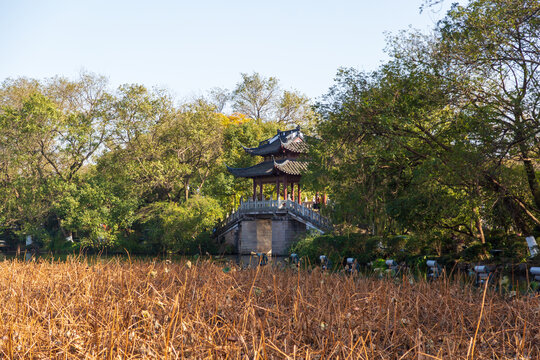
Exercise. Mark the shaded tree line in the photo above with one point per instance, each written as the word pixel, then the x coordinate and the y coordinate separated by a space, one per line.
pixel 82 165
pixel 436 151
pixel 441 142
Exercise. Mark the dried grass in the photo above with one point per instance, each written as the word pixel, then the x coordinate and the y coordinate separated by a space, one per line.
pixel 121 310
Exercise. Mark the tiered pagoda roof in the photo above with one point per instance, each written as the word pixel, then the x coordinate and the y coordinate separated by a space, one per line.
pixel 271 168
pixel 290 140
pixel 286 146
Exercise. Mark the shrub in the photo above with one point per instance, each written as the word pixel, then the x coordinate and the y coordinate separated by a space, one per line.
pixel 364 248
pixel 182 228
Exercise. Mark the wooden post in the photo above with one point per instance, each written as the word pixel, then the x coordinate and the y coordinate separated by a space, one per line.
pixel 292 192
pixel 254 189
pixel 261 190
pixel 285 185
pixel 299 194
pixel 277 189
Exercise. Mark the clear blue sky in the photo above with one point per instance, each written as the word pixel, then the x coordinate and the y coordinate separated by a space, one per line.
pixel 189 47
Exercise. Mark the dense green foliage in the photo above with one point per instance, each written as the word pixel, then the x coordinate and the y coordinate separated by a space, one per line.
pixel 178 227
pixel 82 166
pixel 441 142
pixel 434 153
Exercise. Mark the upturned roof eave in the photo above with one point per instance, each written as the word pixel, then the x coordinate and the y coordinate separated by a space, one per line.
pixel 266 149
pixel 280 143
pixel 270 168
pixel 259 170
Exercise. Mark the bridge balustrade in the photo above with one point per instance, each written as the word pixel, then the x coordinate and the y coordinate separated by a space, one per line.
pixel 273 206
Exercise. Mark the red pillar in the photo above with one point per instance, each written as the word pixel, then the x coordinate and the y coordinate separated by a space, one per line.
pixel 299 194
pixel 285 185
pixel 277 189
pixel 292 192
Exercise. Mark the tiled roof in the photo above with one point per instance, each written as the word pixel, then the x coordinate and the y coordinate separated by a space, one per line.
pixel 296 146
pixel 291 140
pixel 292 167
pixel 265 149
pixel 271 168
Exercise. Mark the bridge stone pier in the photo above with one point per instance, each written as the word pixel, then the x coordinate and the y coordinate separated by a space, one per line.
pixel 269 226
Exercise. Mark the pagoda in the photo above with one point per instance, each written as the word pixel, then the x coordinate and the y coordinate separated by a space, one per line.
pixel 272 225
pixel 282 165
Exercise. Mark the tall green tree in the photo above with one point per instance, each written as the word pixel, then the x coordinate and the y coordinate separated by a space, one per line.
pixel 174 156
pixel 255 96
pixel 25 172
pixel 437 138
pixel 495 46
pixel 238 131
pixel 292 109
pixel 53 130
pixel 261 98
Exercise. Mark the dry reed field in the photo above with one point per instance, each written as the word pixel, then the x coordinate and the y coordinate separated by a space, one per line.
pixel 111 309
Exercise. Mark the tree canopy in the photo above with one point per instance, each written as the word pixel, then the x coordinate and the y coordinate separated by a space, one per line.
pixel 438 149
pixel 442 140
pixel 82 162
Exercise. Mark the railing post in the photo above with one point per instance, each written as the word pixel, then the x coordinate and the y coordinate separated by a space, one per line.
pixel 265 206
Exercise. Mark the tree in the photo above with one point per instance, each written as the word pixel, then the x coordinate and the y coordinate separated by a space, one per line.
pixel 14 92
pixel 194 141
pixel 25 196
pixel 134 111
pixel 255 96
pixel 294 109
pixel 261 98
pixel 174 156
pixel 238 131
pixel 81 132
pixel 79 161
pixel 93 211
pixel 219 98
pixel 437 138
pixel 496 43
pixel 53 130
pixel 378 148
pixel 177 227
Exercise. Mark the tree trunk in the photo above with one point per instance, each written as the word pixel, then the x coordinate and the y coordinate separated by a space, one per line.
pixel 186 188
pixel 59 222
pixel 531 176
pixel 514 206
pixel 478 221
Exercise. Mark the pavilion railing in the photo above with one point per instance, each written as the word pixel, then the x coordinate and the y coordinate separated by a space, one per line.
pixel 275 206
